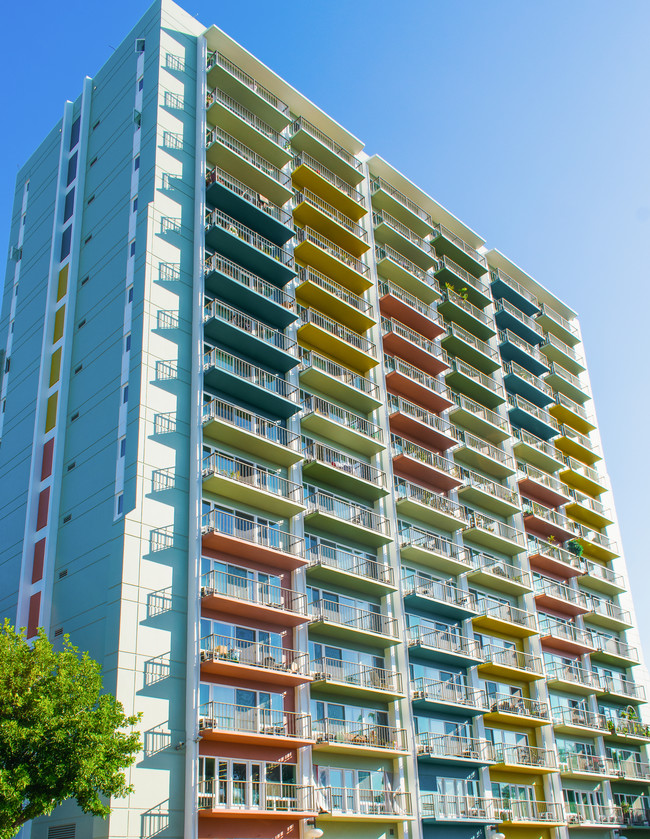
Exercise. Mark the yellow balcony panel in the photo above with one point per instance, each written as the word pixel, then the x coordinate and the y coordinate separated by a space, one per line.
pixel 597 545
pixel 309 173
pixel 582 477
pixel 392 265
pixel 346 519
pixel 238 481
pixel 589 511
pixel 223 73
pixel 494 535
pixel 351 310
pixel 505 619
pixel 326 256
pixel 387 197
pixel 337 469
pixel 312 211
pixel 527 760
pixel 352 738
pixel 572 414
pixel 391 232
pixel 306 137
pixel 353 432
pixel 576 445
pixel 345 678
pixel 511 664
pixel 229 115
pixel 245 164
pixel 517 710
pixel 251 433
pixel 341 383
pixel 318 332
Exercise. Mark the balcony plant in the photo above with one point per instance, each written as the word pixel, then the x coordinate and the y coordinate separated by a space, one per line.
pixel 574 547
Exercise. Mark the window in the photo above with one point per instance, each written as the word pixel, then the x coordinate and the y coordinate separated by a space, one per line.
pixel 120 504
pixel 136 163
pixel 72 169
pixel 125 394
pixel 85 280
pixel 137 119
pixel 92 162
pixel 75 416
pixel 81 323
pixel 139 44
pixel 140 83
pixel 135 204
pixel 90 200
pixel 7 365
pixel 78 369
pixel 122 446
pixel 127 343
pixel 129 295
pixel 96 124
pixel 66 242
pixel 74 133
pixel 132 248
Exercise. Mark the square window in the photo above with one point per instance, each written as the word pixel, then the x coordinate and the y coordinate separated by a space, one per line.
pixel 139 44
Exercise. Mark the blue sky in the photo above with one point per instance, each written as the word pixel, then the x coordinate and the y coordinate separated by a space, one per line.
pixel 528 120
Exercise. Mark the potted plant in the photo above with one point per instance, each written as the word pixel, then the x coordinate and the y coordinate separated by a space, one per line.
pixel 574 547
pixel 625 809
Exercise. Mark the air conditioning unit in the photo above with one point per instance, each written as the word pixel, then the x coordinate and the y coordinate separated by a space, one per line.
pixel 574 818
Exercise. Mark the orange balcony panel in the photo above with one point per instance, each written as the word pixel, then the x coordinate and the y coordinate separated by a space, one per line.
pixel 420 432
pixel 239 670
pixel 254 611
pixel 541 527
pixel 417 356
pixel 402 385
pixel 552 643
pixel 544 600
pixel 544 562
pixel 243 549
pixel 542 493
pixel 425 474
pixel 256 816
pixel 248 738
pixel 393 307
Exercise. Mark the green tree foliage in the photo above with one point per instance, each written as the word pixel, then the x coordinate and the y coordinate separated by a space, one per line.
pixel 60 737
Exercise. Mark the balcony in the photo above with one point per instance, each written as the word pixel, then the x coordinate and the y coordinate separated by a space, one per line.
pixel 456 809
pixel 480 420
pixel 429 507
pixel 251 433
pixel 511 319
pixel 487 494
pixel 319 332
pixel 338 382
pixel 524 414
pixel 614 651
pixel 602 578
pixel 388 198
pixel 542 486
pixel 547 523
pixel 247 166
pixel 451 275
pixel 329 259
pixel 588 815
pixel 425 427
pixel 412 347
pixel 492 572
pixel 511 664
pixel 448 243
pixel 251 799
pixel 532 449
pixel 568 384
pixel 345 678
pixel 529 813
pixel 364 805
pixel 525 759
pixel 443 598
pixel 222 655
pixel 550 594
pixel 565 636
pixel 574 444
pixel 246 290
pixel 334 300
pixel 391 265
pixel 472 350
pixel 309 173
pixel 249 337
pixel 521 382
pixel 582 477
pixel 403 379
pixel 584 766
pixel 333 564
pixel 444 646
pixel 474 384
pixel 232 593
pixel 571 677
pixel 347 737
pixel 312 211
pixel 239 481
pixel 245 539
pixel 549 558
pixel 504 286
pixel 309 139
pixel 350 430
pixel 411 461
pixel 397 303
pixel 505 618
pixel 552 321
pixel 334 620
pixel 621 689
pixel 493 534
pixel 503 708
pixel 344 518
pixel 570 413
pixel 556 350
pixel 448 697
pixel 625 730
pixel 449 748
pixel 254 726
pixel 610 615
pixel 237 199
pixel 513 348
pixel 339 470
pixel 577 721
pixel 391 232
pixel 432 550
pixel 476 452
pixel 247 248
pixel 456 308
pixel 589 511
pixel 596 544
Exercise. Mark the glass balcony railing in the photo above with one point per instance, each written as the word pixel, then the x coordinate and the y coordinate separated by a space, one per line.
pixel 216 310
pixel 337 330
pixel 246 279
pixel 346 419
pixel 304 159
pixel 220 176
pixel 247 530
pixel 218 135
pixel 218 359
pixel 220 411
pixel 448 692
pixel 244 719
pixel 351 563
pixel 364 735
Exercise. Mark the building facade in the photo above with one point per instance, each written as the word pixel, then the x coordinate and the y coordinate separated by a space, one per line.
pixel 312 471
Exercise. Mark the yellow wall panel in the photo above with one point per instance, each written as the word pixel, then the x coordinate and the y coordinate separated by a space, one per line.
pixel 50 418
pixel 55 367
pixel 63 283
pixel 59 319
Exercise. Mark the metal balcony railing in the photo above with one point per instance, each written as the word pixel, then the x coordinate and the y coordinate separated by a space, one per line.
pixel 453 746
pixel 350 563
pixel 517 659
pixel 503 305
pixel 304 159
pixel 533 410
pixel 460 243
pixel 579 717
pixel 348 511
pixel 361 620
pixel 216 262
pixel 265 429
pixel 331 212
pixel 337 290
pixel 401 446
pixel 393 364
pixel 365 802
pixel 565 631
pixel 396 404
pixel 253 591
pixel 526 756
pixel 481 411
pixel 405 489
pixel 498 274
pixel 337 330
pixel 446 641
pixel 382 217
pixel 472 340
pixel 527 471
pixel 386 287
pixel 445 592
pixel 512 810
pixel 346 419
pixel 246 720
pixel 583 763
pixel 493 452
pixel 307 234
pixel 379 183
pixel 561 321
pixel 498 528
pixel 448 692
pixel 385 252
pixel 425 539
pixel 454 808
pixel 261 796
pixel 228 524
pixel 337 371
pixel 512 368
pixel 253 654
pixel 218 135
pixel 358 675
pixel 301 124
pixel 500 568
pixel 351 733
pixel 220 176
pixel 220 463
pixel 389 325
pixel 506 612
pixel 280 253
pixel 504 493
pixel 216 310
pixel 478 314
pixel 218 59
pixel 560 591
pixel 313 451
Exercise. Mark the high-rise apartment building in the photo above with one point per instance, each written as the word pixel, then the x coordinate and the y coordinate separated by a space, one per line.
pixel 311 471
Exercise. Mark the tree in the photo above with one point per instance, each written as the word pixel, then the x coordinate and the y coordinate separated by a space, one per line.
pixel 60 737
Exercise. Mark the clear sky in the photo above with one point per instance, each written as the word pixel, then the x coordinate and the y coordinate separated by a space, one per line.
pixel 528 120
